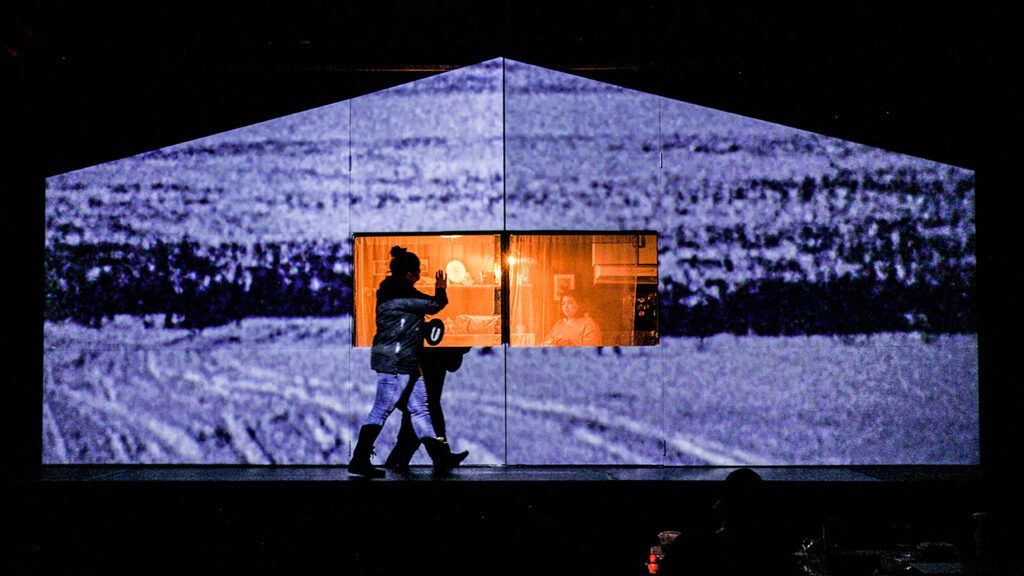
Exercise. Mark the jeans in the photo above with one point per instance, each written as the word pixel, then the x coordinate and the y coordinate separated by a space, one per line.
pixel 389 390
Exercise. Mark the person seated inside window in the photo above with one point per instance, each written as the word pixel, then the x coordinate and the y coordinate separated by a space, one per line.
pixel 576 328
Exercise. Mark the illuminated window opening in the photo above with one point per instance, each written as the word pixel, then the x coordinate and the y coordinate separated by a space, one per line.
pixel 524 289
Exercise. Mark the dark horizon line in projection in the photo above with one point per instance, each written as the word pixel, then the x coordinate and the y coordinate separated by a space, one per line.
pixel 190 286
pixel 815 297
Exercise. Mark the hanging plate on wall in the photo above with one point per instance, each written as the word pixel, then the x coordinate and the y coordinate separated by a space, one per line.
pixel 456 272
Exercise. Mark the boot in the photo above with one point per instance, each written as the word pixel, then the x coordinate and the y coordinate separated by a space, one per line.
pixel 405 447
pixel 360 463
pixel 456 457
pixel 441 454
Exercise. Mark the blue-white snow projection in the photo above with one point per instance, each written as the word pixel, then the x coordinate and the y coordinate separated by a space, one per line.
pixel 816 295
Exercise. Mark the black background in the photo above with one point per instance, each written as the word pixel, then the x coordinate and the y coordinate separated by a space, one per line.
pixel 83 85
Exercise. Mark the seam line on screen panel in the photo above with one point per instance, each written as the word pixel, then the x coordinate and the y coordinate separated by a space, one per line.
pixel 350 142
pixel 350 394
pixel 504 159
pixel 504 228
pixel 657 291
pixel 661 142
pixel 351 234
pixel 664 409
pixel 505 423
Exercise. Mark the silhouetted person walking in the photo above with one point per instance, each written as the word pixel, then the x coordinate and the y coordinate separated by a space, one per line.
pixel 395 356
pixel 435 363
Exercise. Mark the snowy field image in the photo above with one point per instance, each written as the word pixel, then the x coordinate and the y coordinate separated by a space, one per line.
pixel 729 400
pixel 872 399
pixel 427 156
pixel 815 296
pixel 263 392
pixel 278 392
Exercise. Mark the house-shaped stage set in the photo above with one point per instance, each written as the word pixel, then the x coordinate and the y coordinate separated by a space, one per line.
pixel 761 295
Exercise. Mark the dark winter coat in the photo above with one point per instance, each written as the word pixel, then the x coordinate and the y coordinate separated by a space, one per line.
pixel 399 339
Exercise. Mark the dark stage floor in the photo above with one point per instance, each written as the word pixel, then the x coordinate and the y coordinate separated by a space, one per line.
pixel 521 520
pixel 509 474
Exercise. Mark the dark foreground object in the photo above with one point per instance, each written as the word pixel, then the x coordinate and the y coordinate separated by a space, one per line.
pixel 472 521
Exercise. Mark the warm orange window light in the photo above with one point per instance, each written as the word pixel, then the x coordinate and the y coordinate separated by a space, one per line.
pixel 571 289
pixel 583 289
pixel 473 314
